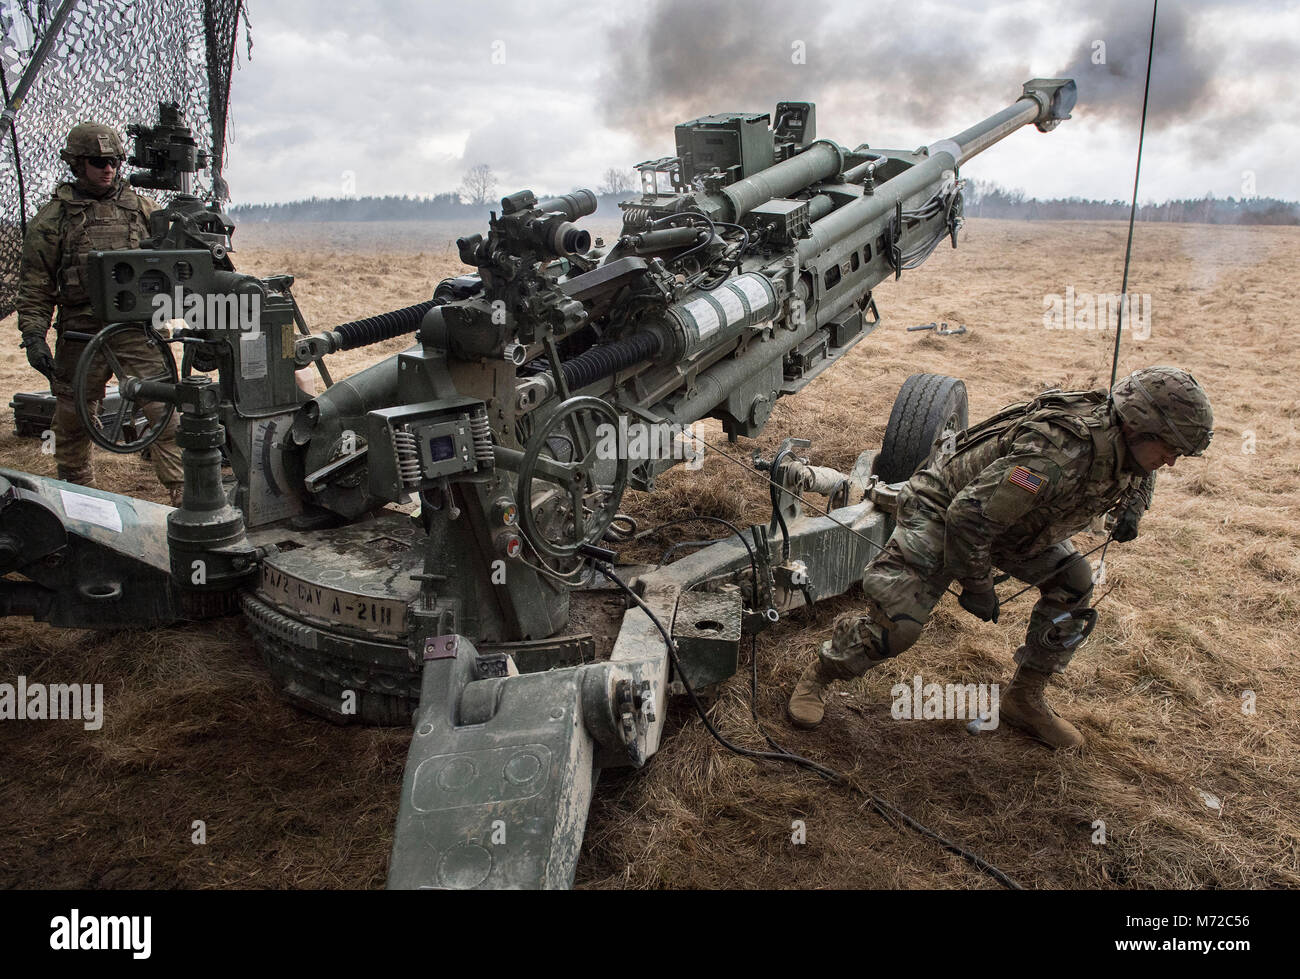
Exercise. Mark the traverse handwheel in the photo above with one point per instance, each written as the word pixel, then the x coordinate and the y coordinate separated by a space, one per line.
pixel 111 435
pixel 571 507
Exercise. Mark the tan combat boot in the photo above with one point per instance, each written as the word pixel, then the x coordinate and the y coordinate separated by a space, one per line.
pixel 1023 706
pixel 808 702
pixel 82 477
pixel 177 494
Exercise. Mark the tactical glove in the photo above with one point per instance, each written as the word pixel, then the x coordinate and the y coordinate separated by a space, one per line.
pixel 979 599
pixel 38 354
pixel 1126 527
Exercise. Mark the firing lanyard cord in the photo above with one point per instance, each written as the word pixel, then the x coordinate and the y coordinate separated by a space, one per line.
pixel 1132 213
pixel 1132 217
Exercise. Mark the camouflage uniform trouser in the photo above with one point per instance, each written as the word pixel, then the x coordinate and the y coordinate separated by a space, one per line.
pixel 71 443
pixel 905 581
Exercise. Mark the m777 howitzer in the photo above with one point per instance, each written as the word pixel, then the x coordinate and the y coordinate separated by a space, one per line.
pixel 744 270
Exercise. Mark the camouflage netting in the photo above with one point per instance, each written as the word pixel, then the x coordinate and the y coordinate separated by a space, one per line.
pixel 112 62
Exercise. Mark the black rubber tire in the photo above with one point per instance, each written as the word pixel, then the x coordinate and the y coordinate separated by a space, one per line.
pixel 926 403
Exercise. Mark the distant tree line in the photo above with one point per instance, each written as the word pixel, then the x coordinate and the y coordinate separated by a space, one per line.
pixel 477 194
pixel 438 207
pixel 983 199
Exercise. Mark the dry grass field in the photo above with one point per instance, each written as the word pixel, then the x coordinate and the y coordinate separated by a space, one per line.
pixel 1205 607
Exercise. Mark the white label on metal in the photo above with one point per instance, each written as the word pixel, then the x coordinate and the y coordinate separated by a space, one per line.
pixel 753 291
pixel 330 605
pixel 252 356
pixel 705 316
pixel 731 305
pixel 91 509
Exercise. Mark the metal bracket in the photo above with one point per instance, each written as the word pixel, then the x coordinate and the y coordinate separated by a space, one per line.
pixel 441 647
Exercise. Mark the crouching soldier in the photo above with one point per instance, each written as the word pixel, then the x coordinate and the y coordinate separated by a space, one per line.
pixel 1010 494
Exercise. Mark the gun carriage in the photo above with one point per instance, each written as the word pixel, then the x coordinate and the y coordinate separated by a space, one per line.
pixel 409 545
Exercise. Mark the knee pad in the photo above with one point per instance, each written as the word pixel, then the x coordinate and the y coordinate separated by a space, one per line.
pixel 1072 583
pixel 881 636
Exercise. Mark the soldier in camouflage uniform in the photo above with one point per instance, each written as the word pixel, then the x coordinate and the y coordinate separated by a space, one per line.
pixel 98 211
pixel 1010 493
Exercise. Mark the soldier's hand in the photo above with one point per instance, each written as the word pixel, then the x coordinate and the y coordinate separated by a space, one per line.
pixel 1126 527
pixel 980 600
pixel 38 354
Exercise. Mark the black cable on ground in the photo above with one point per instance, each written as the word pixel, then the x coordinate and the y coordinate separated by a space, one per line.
pixel 886 809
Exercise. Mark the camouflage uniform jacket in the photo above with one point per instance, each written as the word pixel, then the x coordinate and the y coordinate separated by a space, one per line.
pixel 1031 476
pixel 55 251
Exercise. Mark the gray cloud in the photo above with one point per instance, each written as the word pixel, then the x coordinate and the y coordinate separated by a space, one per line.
pixel 406 95
pixel 1182 72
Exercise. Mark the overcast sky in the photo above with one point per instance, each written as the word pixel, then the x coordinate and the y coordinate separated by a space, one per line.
pixel 407 95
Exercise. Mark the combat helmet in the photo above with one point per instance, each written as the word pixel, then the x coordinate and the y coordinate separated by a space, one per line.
pixel 1166 403
pixel 91 139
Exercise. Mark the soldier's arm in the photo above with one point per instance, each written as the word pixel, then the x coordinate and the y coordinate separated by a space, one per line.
pixel 38 285
pixel 1033 474
pixel 1142 497
pixel 1128 512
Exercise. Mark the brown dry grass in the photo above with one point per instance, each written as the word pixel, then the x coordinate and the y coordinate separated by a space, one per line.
pixel 1206 605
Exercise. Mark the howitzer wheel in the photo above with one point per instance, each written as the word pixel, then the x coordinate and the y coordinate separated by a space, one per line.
pixel 110 436
pixel 591 506
pixel 927 406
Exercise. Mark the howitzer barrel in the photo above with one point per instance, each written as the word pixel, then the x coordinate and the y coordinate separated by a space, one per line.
pixel 1046 103
pixel 984 134
pixel 853 217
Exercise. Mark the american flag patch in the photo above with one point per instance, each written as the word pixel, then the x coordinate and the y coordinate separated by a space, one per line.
pixel 1026 479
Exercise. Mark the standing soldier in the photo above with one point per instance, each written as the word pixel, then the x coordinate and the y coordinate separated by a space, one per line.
pixel 1012 492
pixel 97 212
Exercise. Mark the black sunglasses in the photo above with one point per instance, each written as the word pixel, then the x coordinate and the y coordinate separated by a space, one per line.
pixel 101 162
